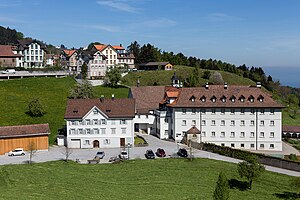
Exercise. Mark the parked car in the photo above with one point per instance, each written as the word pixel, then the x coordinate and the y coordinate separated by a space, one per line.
pixel 9 71
pixel 17 152
pixel 149 154
pixel 123 155
pixel 182 153
pixel 100 154
pixel 160 153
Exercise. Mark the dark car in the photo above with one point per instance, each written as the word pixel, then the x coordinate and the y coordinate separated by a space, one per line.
pixel 149 154
pixel 100 154
pixel 182 153
pixel 160 152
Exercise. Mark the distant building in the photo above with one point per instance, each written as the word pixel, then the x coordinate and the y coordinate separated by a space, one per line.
pixel 8 57
pixel 156 66
pixel 69 59
pixel 291 131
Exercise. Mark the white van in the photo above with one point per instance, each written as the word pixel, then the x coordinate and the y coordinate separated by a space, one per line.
pixel 9 71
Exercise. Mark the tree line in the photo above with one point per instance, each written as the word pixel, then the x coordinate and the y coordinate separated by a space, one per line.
pixel 9 36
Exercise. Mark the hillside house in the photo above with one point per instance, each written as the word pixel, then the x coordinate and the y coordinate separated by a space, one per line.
pixel 8 57
pixel 156 66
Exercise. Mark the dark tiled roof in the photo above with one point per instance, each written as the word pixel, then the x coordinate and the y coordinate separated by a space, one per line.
pixel 113 108
pixel 218 92
pixel 193 131
pixel 6 51
pixel 293 129
pixel 24 43
pixel 147 97
pixel 24 130
pixel 149 64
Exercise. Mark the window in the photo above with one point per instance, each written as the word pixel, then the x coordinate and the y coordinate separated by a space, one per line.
pixel 213 111
pixel 122 121
pixel 183 111
pixel 113 122
pixel 262 111
pixel 252 122
pixel 222 111
pixel 88 122
pixel 213 134
pixel 262 146
pixel 271 111
pixel 72 131
pixel 123 130
pixel 262 134
pixel 232 134
pixel 232 145
pixel 203 122
pixel 193 111
pixel 232 123
pixel 194 122
pixel 232 111
pixel 223 99
pixel 166 132
pixel 32 52
pixel 41 51
pixel 96 131
pixel 251 145
pixel 36 52
pixel 242 134
pixel 103 121
pixel 32 58
pixel 252 134
pixel 271 146
pixel 80 131
pixel 213 99
pixel 88 131
pixel 86 142
pixel 272 134
pixel 203 99
pixel 252 111
pixel 242 122
pixel 113 131
pixel 106 141
pixel 272 123
pixel 213 122
pixel 203 133
pixel 95 111
pixel 203 111
pixel 222 122
pixel 72 122
pixel 183 122
pixel 222 134
pixel 222 145
pixel 262 122
pixel 166 120
pixel 36 58
pixel 242 145
pixel 242 111
pixel 95 121
pixel 103 131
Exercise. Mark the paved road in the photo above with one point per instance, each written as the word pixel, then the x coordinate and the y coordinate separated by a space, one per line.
pixel 57 153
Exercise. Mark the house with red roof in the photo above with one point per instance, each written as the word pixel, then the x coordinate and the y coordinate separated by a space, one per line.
pixel 8 58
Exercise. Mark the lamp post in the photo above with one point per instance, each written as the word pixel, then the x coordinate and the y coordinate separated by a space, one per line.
pixel 128 146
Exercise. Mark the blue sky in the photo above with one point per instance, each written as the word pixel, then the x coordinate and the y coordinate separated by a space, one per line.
pixel 254 32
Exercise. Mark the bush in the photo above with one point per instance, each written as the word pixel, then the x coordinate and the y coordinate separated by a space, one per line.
pixel 35 108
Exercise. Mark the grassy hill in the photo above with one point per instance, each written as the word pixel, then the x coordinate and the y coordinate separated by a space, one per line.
pixel 137 179
pixel 52 92
pixel 183 72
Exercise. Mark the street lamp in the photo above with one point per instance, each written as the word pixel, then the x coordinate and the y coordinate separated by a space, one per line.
pixel 128 146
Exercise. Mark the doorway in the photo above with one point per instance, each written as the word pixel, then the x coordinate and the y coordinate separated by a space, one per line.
pixel 96 144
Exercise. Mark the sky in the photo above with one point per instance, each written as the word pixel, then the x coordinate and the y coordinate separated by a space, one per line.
pixel 252 32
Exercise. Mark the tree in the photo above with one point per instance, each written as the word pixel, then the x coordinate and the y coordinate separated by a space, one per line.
pixel 222 188
pixel 31 150
pixel 113 76
pixel 250 169
pixel 36 108
pixel 84 69
pixel 82 90
pixel 206 75
pixel 135 49
pixel 67 152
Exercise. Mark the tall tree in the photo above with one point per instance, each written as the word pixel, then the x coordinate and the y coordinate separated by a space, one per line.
pixel 84 69
pixel 250 169
pixel 113 77
pixel 222 188
pixel 135 49
pixel 82 90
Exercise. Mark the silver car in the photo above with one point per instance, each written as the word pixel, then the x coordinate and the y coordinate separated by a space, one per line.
pixel 17 152
pixel 100 154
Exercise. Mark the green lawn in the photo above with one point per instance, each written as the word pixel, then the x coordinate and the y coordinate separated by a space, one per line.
pixel 183 72
pixel 138 179
pixel 53 93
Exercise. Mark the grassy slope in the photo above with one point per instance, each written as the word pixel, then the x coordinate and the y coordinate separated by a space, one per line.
pixel 15 95
pixel 139 179
pixel 183 72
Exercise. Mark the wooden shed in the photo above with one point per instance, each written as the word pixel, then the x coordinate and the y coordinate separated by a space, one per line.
pixel 22 136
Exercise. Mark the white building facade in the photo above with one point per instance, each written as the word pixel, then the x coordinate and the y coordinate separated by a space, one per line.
pixel 99 123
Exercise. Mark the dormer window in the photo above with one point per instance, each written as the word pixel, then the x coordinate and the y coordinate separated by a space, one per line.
pixel 95 111
pixel 213 99
pixel 232 98
pixel 260 98
pixel 193 98
pixel 242 98
pixel 223 99
pixel 203 99
pixel 251 99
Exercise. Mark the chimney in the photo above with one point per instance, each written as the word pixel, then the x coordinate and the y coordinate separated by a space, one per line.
pixel 225 85
pixel 120 45
pixel 113 97
pixel 138 83
pixel 206 85
pixel 258 84
pixel 102 98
